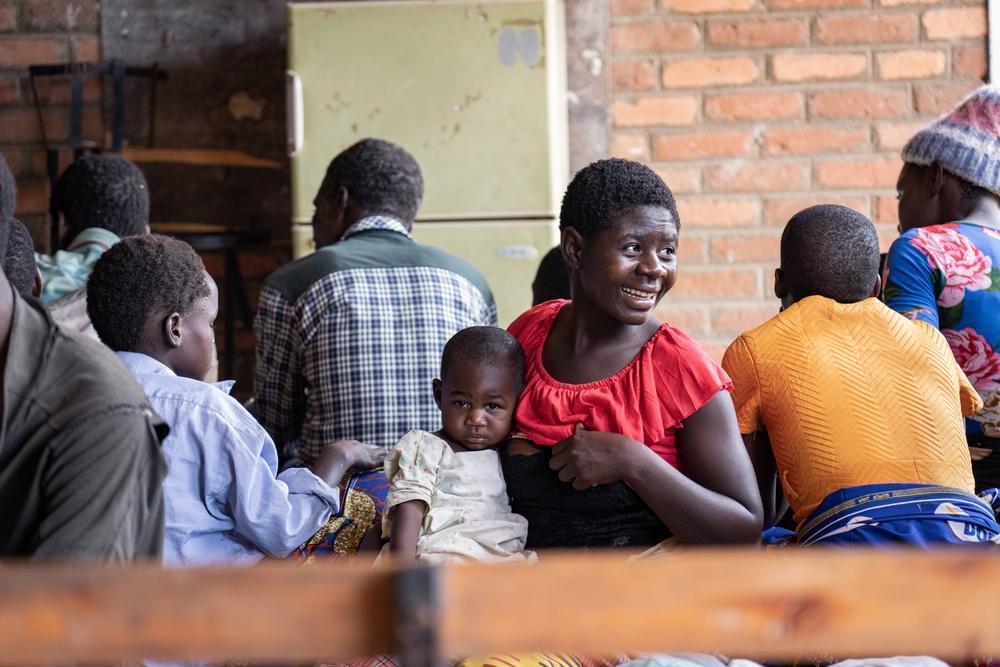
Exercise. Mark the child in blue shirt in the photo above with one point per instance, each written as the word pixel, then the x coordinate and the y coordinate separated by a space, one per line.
pixel 152 302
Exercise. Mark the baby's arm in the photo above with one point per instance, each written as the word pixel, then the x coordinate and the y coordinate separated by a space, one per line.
pixel 406 521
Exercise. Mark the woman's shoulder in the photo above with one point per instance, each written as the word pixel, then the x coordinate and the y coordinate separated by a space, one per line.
pixel 677 356
pixel 536 321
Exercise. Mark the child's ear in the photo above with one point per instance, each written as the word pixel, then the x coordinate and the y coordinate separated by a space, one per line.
pixel 572 246
pixel 780 289
pixel 934 178
pixel 877 289
pixel 172 329
pixel 438 387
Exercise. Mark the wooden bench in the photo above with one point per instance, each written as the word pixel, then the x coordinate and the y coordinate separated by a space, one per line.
pixel 776 605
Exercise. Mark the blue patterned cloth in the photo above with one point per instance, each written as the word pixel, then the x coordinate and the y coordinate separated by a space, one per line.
pixel 350 337
pixel 949 276
pixel 67 271
pixel 919 515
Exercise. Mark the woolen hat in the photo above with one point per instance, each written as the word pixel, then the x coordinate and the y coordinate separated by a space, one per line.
pixel 965 141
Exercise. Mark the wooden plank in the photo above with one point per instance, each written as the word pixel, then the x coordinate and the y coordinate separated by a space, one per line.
pixel 751 604
pixel 742 603
pixel 200 156
pixel 51 615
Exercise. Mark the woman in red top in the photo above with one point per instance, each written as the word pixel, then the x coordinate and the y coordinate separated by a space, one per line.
pixel 629 432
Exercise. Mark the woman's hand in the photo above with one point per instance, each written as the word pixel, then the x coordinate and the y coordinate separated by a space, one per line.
pixel 590 458
pixel 337 457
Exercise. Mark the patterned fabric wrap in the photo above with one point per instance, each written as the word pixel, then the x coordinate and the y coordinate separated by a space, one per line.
pixel 362 503
pixel 497 660
pixel 966 141
pixel 949 276
pixel 920 515
pixel 353 355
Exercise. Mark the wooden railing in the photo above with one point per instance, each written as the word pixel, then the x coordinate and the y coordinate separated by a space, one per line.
pixel 776 605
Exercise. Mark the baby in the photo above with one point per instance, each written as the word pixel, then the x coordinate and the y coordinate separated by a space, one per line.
pixel 448 500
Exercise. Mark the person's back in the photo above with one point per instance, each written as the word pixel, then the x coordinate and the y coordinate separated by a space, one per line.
pixel 848 393
pixel 350 336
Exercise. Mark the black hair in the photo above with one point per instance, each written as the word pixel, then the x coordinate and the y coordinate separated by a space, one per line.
pixel 552 279
pixel 380 177
pixel 8 203
pixel 142 279
pixel 105 191
pixel 19 259
pixel 830 251
pixel 484 346
pixel 606 188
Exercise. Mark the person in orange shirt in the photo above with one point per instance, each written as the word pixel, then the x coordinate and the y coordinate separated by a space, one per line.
pixel 851 412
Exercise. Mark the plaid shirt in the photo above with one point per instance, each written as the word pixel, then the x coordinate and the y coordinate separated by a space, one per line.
pixel 350 337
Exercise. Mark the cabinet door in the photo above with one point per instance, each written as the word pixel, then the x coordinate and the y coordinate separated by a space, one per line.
pixel 474 90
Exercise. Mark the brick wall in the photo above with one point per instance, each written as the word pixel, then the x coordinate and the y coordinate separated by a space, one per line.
pixel 41 31
pixel 754 109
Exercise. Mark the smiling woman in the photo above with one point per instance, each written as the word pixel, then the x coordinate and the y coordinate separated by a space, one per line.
pixel 627 430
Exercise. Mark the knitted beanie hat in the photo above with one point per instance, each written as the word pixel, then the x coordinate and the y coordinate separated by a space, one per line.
pixel 966 141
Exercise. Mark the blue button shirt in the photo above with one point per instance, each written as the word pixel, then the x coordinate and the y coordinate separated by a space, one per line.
pixel 225 502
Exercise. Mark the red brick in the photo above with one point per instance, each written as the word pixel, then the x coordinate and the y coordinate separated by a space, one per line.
pixel 757 33
pixel 630 146
pixel 813 139
pixel 777 212
pixel 692 249
pixel 815 4
pixel 969 61
pixel 20 125
pixel 57 15
pixel 85 49
pixel 911 64
pixel 10 90
pixel 707 6
pixel 631 7
pixel 633 75
pixel 737 319
pixel 861 173
pixel 754 106
pixel 32 196
pixel 761 246
pixel 887 210
pixel 656 35
pixel 704 72
pixel 667 147
pixel 682 180
pixel 939 98
pixel 692 320
pixel 56 91
pixel 866 29
pixel 893 136
pixel 757 176
pixel 796 67
pixel 713 282
pixel 644 111
pixel 896 3
pixel 717 212
pixel 18 52
pixel 955 23
pixel 886 235
pixel 8 18
pixel 859 103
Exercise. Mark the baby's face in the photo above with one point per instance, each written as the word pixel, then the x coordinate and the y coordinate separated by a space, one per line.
pixel 477 404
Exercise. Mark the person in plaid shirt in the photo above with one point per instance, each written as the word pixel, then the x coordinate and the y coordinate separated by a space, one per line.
pixel 349 338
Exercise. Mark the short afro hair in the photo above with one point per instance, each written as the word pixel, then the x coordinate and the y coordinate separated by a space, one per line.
pixel 830 251
pixel 552 279
pixel 607 188
pixel 485 346
pixel 19 260
pixel 105 191
pixel 140 280
pixel 8 203
pixel 380 177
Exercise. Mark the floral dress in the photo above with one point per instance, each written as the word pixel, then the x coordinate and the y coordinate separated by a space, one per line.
pixel 949 275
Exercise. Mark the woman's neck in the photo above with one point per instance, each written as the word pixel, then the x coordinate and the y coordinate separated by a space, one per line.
pixel 984 212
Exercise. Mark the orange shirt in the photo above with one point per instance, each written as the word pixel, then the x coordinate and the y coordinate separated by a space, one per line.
pixel 852 394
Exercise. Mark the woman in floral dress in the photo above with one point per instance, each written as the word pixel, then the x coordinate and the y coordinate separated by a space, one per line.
pixel 945 268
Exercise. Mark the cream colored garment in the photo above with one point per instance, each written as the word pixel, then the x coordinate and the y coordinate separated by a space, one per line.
pixel 468 515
